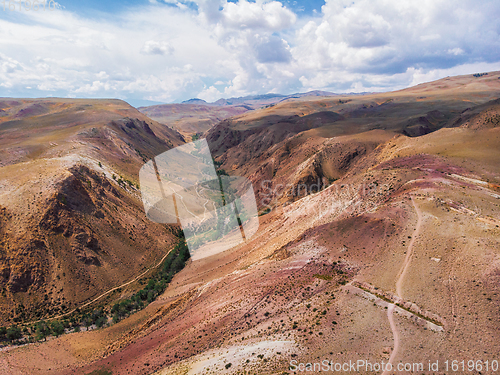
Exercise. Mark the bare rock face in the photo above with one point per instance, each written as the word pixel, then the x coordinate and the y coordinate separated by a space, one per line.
pixel 26 268
pixel 4 270
pixel 76 197
pixel 68 208
pixel 24 261
pixel 57 217
pixel 72 199
pixel 85 246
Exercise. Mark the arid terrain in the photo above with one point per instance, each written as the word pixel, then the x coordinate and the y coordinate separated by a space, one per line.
pixel 196 116
pixel 71 216
pixel 379 235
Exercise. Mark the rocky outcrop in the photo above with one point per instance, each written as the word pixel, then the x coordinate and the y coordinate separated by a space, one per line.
pixel 26 267
pixel 85 246
pixel 67 210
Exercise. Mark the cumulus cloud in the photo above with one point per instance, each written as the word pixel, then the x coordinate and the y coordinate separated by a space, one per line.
pixel 152 47
pixel 259 15
pixel 218 48
pixel 210 94
pixel 367 39
pixel 271 49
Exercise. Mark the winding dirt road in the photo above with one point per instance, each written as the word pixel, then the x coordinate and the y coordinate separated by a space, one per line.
pixel 103 294
pixel 399 282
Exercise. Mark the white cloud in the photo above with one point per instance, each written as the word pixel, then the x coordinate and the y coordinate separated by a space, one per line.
pixel 152 47
pixel 271 49
pixel 259 15
pixel 365 40
pixel 456 51
pixel 420 76
pixel 96 86
pixel 174 52
pixel 210 94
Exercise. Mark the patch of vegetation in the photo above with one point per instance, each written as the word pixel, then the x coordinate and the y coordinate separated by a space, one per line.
pixel 101 316
pixel 344 101
pixel 265 211
pixel 436 322
pixel 383 298
pixel 10 334
pixel 100 372
pixel 217 164
pixel 57 328
pixel 62 199
pixel 331 180
pixel 322 277
pixel 173 263
pixel 123 182
pixel 221 172
pixel 143 157
pixel 477 75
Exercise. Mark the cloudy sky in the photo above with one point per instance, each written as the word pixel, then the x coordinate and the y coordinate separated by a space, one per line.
pixel 173 50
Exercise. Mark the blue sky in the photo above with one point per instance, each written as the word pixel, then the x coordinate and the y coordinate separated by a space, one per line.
pixel 88 6
pixel 173 50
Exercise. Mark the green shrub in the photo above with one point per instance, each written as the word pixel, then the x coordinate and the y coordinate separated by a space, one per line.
pixel 42 330
pixel 57 328
pixel 101 321
pixel 14 333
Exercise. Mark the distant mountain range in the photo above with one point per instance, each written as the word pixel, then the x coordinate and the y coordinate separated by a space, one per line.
pixel 259 99
pixel 197 116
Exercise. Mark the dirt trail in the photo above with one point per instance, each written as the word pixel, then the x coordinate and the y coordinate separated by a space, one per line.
pixel 399 282
pixel 406 263
pixel 103 294
pixel 390 316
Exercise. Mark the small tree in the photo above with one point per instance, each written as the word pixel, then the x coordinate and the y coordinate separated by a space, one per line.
pixel 101 321
pixel 42 330
pixel 57 328
pixel 3 333
pixel 14 333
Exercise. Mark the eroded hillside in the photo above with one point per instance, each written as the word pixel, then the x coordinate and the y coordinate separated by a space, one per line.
pixel 71 217
pixel 395 258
